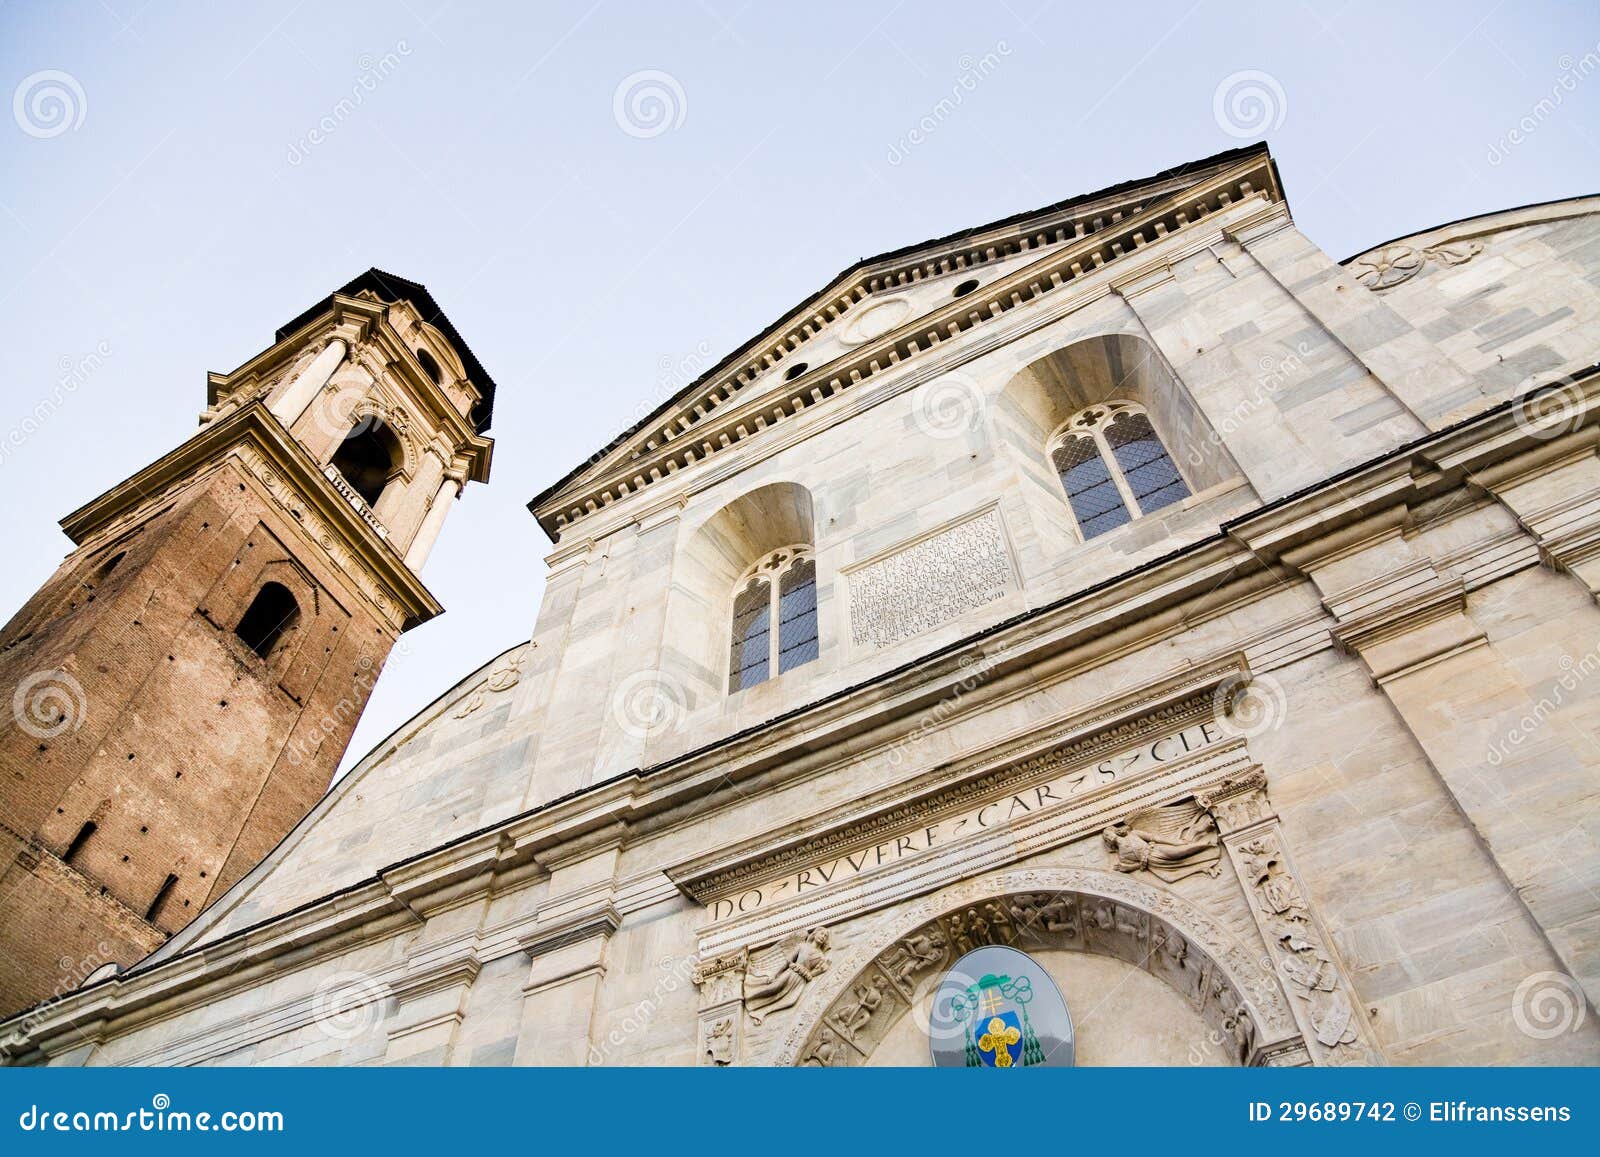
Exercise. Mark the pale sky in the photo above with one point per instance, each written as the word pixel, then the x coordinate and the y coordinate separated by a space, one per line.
pixel 607 198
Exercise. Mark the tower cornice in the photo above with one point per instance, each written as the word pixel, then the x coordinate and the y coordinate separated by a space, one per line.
pixel 254 426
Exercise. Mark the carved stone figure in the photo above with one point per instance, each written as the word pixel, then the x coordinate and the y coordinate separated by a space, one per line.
pixel 1277 893
pixel 1332 1018
pixel 959 936
pixel 1168 842
pixel 793 964
pixel 1243 1030
pixel 719 1042
pixel 1171 948
pixel 918 951
pixel 855 1013
pixel 825 1052
pixel 999 923
pixel 1057 915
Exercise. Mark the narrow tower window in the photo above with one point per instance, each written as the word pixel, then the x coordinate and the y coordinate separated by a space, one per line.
pixel 271 613
pixel 78 841
pixel 161 895
pixel 780 589
pixel 1114 468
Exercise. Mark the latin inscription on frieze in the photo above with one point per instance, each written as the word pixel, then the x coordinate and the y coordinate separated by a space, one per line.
pixel 1056 792
pixel 930 582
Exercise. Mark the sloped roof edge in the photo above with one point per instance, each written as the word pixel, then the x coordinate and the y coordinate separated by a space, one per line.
pixel 391 287
pixel 1228 156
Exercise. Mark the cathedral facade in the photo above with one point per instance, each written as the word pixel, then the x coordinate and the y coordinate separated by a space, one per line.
pixel 1127 584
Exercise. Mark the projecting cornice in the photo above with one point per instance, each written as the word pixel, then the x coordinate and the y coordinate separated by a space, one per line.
pixel 267 450
pixel 1071 242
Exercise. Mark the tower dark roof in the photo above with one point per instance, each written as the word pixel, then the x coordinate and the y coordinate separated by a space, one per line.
pixel 390 288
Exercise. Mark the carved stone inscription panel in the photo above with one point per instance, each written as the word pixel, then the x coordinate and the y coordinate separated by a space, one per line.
pixel 1168 842
pixel 930 582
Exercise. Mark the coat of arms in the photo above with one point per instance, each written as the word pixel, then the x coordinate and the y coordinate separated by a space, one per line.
pixel 999 1034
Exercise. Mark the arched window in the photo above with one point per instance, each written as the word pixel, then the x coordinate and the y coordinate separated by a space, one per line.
pixel 1114 467
pixel 271 613
pixel 781 589
pixel 367 458
pixel 429 365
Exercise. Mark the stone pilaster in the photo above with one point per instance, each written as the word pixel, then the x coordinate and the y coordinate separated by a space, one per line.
pixel 1411 367
pixel 1553 491
pixel 721 984
pixel 1522 785
pixel 433 1001
pixel 1332 1019
pixel 558 1000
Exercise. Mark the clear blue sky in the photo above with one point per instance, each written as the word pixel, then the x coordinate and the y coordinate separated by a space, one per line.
pixel 586 245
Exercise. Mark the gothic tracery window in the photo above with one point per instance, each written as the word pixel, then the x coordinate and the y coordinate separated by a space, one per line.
pixel 1113 467
pixel 774 618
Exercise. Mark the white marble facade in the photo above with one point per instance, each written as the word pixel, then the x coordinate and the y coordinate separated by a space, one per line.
pixel 1358 663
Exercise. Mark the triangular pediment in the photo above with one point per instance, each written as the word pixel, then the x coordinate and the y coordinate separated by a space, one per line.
pixel 887 309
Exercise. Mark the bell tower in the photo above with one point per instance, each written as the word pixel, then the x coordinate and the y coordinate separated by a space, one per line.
pixel 184 686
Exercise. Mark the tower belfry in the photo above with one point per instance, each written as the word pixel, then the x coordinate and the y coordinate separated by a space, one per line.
pixel 188 679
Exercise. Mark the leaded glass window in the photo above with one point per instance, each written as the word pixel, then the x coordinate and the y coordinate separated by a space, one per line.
pixel 781 589
pixel 751 659
pixel 1114 468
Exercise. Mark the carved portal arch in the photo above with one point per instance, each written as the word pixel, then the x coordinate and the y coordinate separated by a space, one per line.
pixel 852 1006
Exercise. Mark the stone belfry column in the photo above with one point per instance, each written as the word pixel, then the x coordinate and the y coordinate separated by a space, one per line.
pixel 1465 705
pixel 290 404
pixel 433 522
